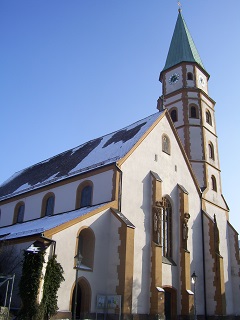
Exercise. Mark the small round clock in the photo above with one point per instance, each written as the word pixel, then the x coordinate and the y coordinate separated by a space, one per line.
pixel 174 78
pixel 202 81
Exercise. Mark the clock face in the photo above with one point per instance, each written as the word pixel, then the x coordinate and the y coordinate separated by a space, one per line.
pixel 174 78
pixel 202 81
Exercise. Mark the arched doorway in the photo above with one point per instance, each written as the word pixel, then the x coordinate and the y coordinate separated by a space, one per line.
pixel 170 303
pixel 83 306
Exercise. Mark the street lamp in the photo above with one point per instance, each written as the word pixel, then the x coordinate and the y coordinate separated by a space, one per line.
pixel 78 260
pixel 194 280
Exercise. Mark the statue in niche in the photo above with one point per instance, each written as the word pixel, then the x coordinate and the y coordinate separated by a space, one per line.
pixel 157 211
pixel 185 226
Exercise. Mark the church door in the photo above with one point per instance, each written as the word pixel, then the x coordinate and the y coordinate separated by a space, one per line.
pixel 170 303
pixel 168 309
pixel 83 299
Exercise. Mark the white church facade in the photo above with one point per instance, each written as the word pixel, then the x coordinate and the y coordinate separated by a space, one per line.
pixel 142 207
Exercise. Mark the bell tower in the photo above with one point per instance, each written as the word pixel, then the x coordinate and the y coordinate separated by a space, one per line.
pixel 185 94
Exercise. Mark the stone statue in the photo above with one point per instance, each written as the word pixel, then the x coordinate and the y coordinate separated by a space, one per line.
pixel 185 228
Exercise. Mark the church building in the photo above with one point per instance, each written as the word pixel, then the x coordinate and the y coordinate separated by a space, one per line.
pixel 136 218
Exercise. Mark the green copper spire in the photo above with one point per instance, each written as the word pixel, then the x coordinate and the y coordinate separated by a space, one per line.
pixel 182 47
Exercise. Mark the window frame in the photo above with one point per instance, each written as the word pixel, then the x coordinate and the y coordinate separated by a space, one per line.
pixel 166 228
pixel 214 183
pixel 45 204
pixel 174 110
pixel 79 193
pixel 196 112
pixel 211 152
pixel 208 117
pixel 189 76
pixel 85 246
pixel 19 212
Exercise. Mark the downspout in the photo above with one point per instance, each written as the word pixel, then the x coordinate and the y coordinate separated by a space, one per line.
pixel 203 253
pixel 119 188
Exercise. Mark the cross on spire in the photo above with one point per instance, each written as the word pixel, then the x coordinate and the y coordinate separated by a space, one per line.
pixel 179 6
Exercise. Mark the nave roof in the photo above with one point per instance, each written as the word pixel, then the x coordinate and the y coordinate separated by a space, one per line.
pixel 89 155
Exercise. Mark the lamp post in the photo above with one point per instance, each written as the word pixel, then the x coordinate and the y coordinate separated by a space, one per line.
pixel 194 279
pixel 78 259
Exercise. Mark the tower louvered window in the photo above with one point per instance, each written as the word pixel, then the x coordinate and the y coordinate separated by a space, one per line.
pixel 211 151
pixel 208 117
pixel 214 183
pixel 174 116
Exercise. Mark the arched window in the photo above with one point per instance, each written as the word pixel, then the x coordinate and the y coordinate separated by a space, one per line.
pixel 48 204
pixel 189 76
pixel 166 227
pixel 214 183
pixel 19 212
pixel 211 151
pixel 84 195
pixel 174 115
pixel 166 144
pixel 193 112
pixel 208 117
pixel 85 247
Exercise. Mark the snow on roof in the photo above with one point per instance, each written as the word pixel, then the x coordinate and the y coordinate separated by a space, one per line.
pixel 39 226
pixel 92 154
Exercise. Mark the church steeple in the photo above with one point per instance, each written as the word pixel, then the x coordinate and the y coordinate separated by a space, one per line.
pixel 182 47
pixel 185 94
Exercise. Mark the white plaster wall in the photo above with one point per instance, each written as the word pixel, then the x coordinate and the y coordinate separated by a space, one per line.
pixel 199 73
pixel 193 96
pixel 136 205
pixel 181 134
pixel 212 195
pixel 106 258
pixel 65 198
pixel 177 104
pixel 198 171
pixel 190 83
pixel 195 143
pixel 176 98
pixel 207 106
pixel 211 138
pixel 235 279
pixel 224 247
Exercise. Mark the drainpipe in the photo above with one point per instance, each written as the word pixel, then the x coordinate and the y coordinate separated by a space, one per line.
pixel 203 253
pixel 119 188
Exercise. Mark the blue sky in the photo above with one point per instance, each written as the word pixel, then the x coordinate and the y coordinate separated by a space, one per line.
pixel 74 70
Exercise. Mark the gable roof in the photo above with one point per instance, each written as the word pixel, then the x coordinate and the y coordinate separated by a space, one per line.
pixel 182 47
pixel 90 155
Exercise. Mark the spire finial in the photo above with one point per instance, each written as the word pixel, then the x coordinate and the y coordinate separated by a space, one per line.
pixel 179 6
